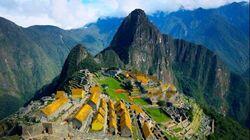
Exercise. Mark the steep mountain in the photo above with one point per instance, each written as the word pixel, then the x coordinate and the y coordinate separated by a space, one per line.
pixel 221 30
pixel 24 67
pixel 139 45
pixel 30 58
pixel 78 58
pixel 199 72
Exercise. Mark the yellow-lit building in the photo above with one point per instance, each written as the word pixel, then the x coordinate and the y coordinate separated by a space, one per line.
pixel 147 133
pixel 60 94
pixel 126 126
pixel 168 88
pixel 95 89
pixel 82 115
pixel 136 108
pixel 120 106
pixel 112 114
pixel 94 100
pixel 125 120
pixel 142 78
pixel 98 122
pixel 95 92
pixel 54 108
pixel 111 105
pixel 103 104
pixel 112 124
pixel 77 93
pixel 101 111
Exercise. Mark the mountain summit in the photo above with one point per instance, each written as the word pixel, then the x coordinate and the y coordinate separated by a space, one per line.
pixel 135 26
pixel 77 59
pixel 139 44
pixel 200 73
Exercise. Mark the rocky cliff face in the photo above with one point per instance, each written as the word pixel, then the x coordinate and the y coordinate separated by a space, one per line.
pixel 139 45
pixel 204 69
pixel 199 72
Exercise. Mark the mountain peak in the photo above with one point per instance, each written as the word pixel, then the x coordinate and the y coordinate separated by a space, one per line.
pixel 76 56
pixel 137 16
pixel 138 13
pixel 135 29
pixel 79 48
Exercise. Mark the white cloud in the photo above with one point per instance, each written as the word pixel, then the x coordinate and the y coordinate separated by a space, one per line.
pixel 76 13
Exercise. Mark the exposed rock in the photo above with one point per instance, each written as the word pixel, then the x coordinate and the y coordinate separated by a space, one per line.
pixel 138 44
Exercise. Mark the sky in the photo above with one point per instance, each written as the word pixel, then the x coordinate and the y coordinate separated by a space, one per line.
pixel 68 14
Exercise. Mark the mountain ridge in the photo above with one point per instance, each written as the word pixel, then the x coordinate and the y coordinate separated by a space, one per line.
pixel 199 72
pixel 30 58
pixel 223 27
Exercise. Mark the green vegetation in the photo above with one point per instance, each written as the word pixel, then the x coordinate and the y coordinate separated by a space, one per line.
pixel 176 130
pixel 170 137
pixel 127 85
pixel 140 101
pixel 157 114
pixel 136 130
pixel 113 85
pixel 90 64
pixel 196 120
pixel 226 128
pixel 9 104
pixel 15 137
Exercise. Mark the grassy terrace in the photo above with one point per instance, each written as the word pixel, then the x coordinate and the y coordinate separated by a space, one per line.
pixel 157 114
pixel 197 116
pixel 170 137
pixel 140 101
pixel 178 129
pixel 113 85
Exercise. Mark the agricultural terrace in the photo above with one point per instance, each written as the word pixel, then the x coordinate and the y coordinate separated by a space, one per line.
pixel 114 88
pixel 157 114
pixel 140 101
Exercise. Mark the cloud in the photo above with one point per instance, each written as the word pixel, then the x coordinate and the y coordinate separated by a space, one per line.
pixel 76 13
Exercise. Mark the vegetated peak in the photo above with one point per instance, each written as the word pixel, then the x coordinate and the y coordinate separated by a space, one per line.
pixel 77 59
pixel 6 22
pixel 79 48
pixel 135 27
pixel 136 18
pixel 76 55
pixel 138 13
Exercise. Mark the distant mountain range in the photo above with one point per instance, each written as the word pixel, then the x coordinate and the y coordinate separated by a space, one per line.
pixel 31 57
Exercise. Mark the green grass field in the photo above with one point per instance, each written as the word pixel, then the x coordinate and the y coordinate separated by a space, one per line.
pixel 170 137
pixel 113 85
pixel 178 129
pixel 140 101
pixel 157 114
